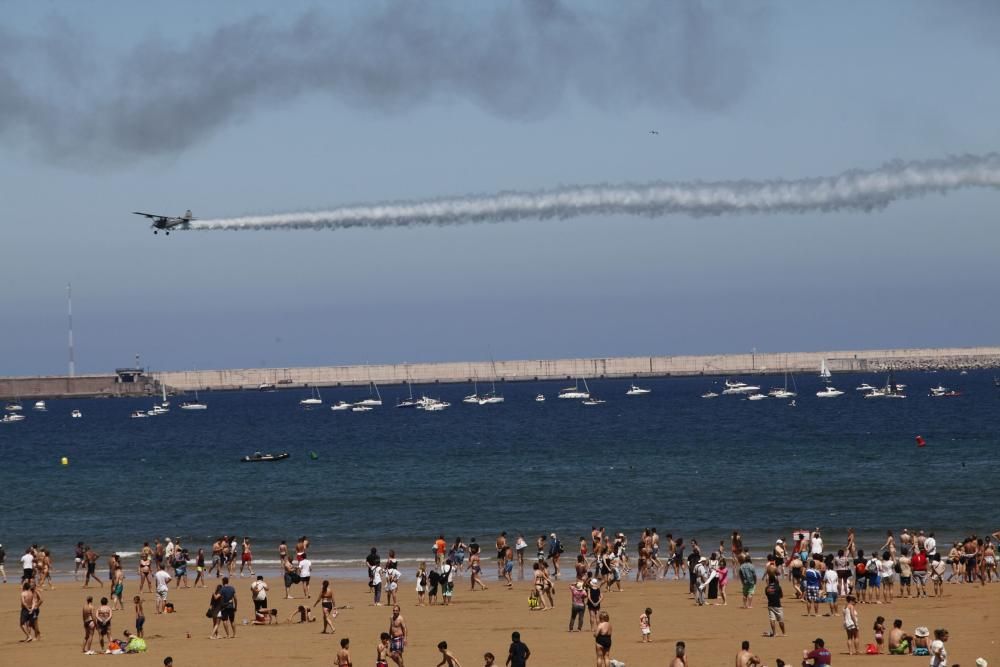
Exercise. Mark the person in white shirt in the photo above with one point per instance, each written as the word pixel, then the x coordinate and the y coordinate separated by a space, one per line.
pixel 28 565
pixel 832 583
pixel 939 652
pixel 816 545
pixel 162 578
pixel 930 544
pixel 259 590
pixel 305 573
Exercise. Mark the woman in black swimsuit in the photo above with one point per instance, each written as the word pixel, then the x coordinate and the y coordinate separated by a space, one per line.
pixel 594 599
pixel 326 599
pixel 602 641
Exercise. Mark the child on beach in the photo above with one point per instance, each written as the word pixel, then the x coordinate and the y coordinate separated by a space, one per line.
pixel 644 626
pixel 489 660
pixel 140 617
pixel 448 658
pixel 421 583
pixel 382 651
pixel 879 628
pixel 305 615
pixel 344 654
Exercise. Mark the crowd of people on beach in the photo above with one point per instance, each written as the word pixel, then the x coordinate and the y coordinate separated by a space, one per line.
pixel 828 582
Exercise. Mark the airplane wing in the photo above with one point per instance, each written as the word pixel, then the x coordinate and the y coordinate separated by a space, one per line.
pixel 151 216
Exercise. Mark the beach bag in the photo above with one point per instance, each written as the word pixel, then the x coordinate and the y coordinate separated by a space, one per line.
pixel 871 649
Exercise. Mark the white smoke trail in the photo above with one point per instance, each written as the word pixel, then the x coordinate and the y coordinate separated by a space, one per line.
pixel 851 190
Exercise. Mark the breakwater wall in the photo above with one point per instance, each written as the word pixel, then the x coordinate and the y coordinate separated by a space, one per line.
pixel 607 367
pixel 64 386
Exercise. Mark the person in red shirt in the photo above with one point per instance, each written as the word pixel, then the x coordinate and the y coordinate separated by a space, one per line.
pixel 820 655
pixel 918 563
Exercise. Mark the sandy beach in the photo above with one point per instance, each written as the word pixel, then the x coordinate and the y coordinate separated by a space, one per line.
pixel 482 621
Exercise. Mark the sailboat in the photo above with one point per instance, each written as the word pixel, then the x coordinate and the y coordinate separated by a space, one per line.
pixel 778 392
pixel 195 404
pixel 574 391
pixel 407 402
pixel 314 398
pixel 474 396
pixel 824 371
pixel 493 397
pixel 375 400
pixel 164 403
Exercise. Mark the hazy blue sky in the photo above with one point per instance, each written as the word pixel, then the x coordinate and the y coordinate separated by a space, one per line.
pixel 235 108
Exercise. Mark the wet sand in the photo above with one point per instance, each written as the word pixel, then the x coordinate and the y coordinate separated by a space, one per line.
pixel 483 620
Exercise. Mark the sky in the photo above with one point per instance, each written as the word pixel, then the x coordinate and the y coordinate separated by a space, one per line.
pixel 240 108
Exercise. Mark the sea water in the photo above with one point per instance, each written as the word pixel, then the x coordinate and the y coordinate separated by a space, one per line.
pixel 397 478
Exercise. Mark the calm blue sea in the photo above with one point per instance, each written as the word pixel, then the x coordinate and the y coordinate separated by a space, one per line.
pixel 396 478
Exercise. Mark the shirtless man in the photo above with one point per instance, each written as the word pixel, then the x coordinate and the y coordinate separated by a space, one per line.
pixel 89 626
pixel 344 654
pixel 397 636
pixel 90 559
pixel 27 612
pixel 36 592
pixel 501 552
pixel 900 643
pixel 745 658
pixel 680 656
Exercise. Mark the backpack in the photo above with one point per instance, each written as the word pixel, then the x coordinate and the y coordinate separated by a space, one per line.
pixel 861 569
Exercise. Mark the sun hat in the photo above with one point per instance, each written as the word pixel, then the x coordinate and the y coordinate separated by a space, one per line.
pixel 594 583
pixel 922 631
pixel 981 662
pixel 579 585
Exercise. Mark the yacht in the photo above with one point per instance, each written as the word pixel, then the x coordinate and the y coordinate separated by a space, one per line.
pixel 635 390
pixel 432 404
pixel 757 397
pixel 709 394
pixel 829 392
pixel 375 400
pixel 341 405
pixel 784 392
pixel 739 388
pixel 574 391
pixel 139 414
pixel 314 398
pixel 265 386
pixel 593 400
pixel 864 386
pixel 40 406
pixel 409 402
pixel 14 407
pixel 158 410
pixel 491 398
pixel 540 398
pixel 474 397
pixel 76 414
pixel 875 393
pixel 12 418
pixel 195 404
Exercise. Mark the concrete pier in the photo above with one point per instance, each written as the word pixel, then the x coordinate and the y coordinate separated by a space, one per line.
pixel 605 367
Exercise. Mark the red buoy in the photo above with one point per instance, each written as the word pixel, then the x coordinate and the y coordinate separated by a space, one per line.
pixel 920 441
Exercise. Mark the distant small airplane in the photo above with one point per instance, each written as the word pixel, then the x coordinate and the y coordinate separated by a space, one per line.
pixel 654 131
pixel 168 222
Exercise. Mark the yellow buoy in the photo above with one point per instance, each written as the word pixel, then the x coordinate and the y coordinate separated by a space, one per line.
pixel 64 460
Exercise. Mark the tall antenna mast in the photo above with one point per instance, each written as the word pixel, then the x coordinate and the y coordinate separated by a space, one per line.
pixel 69 304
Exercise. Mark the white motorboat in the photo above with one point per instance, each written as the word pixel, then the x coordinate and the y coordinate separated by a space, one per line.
pixel 341 405
pixel 709 394
pixel 14 407
pixel 158 410
pixel 593 400
pixel 360 407
pixel 265 386
pixel 193 405
pixel 139 414
pixel 757 397
pixel 939 390
pixel 829 392
pixel 314 398
pixel 864 386
pixel 875 393
pixel 574 391
pixel 40 406
pixel 635 390
pixel 492 398
pixel 76 414
pixel 734 385
pixel 540 398
pixel 7 419
pixel 432 404
pixel 740 388
pixel 371 401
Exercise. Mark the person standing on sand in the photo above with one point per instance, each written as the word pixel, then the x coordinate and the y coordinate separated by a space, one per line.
pixel 305 573
pixel 89 626
pixel 162 588
pixel 397 636
pixel 246 560
pixel 382 651
pixel 229 605
pixel 748 577
pixel 476 570
pixel 775 612
pixel 421 583
pixel 851 626
pixel 518 653
pixel 502 552
pixel 440 547
pixel 555 552
pixel 140 616
pixel 103 618
pixel 326 599
pixel 578 599
pixel 447 582
pixel 520 544
pixel 344 654
pixel 258 593
pixel 27 611
pixel 602 640
pixel 645 626
pixel 145 572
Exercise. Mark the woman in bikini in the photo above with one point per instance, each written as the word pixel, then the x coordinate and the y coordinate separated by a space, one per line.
pixel 476 569
pixel 89 626
pixel 200 567
pixel 326 599
pixel 103 622
pixel 602 640
pixel 540 586
pixel 145 573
